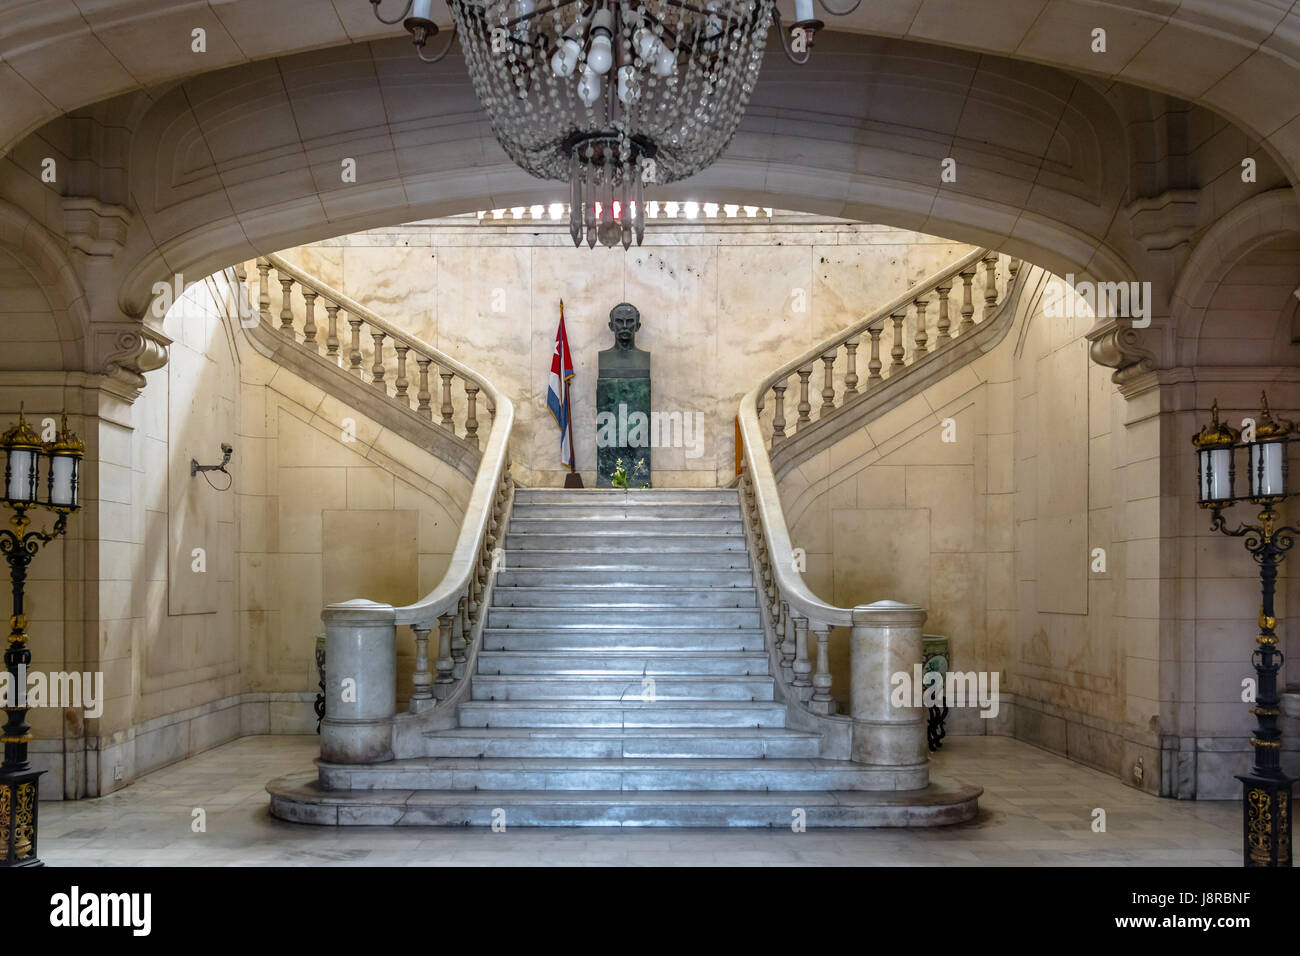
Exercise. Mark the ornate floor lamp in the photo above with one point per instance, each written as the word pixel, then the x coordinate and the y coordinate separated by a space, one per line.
pixel 26 457
pixel 1266 797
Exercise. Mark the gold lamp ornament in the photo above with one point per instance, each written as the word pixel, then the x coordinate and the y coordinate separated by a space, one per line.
pixel 22 448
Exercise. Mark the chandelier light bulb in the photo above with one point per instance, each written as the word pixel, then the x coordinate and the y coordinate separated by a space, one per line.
pixel 601 55
pixel 589 85
pixel 803 10
pixel 647 45
pixel 665 63
pixel 524 7
pixel 565 60
pixel 422 10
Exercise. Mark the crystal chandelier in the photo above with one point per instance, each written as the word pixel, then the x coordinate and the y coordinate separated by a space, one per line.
pixel 612 96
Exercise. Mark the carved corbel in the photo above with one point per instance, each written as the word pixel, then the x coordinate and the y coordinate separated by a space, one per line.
pixel 125 351
pixel 1115 344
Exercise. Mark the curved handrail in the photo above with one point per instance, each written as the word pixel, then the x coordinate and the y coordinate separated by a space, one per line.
pixel 424 613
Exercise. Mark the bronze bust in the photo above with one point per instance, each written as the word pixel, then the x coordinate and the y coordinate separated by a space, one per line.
pixel 624 360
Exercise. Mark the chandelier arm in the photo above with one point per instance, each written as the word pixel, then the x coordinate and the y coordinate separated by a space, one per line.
pixel 839 13
pixel 785 41
pixel 445 50
pixel 374 5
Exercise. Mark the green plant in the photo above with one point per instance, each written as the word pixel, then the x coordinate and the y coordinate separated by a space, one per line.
pixel 621 479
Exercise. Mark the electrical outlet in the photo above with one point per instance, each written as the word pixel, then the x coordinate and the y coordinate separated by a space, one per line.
pixel 1138 771
pixel 117 772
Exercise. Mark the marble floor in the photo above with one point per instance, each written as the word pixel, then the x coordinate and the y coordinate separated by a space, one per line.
pixel 1037 810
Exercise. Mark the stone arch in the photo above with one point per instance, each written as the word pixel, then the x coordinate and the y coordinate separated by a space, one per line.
pixel 49 324
pixel 1253 236
pixel 1036 179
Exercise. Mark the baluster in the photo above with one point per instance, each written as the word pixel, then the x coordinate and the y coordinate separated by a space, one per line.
pixel 446 401
pixel 897 352
pixel 286 308
pixel 332 337
pixel 355 355
pixel 822 702
pixel 424 398
pixel 944 322
pixel 422 681
pixel 471 422
pixel 922 337
pixel 787 638
pixel 828 384
pixel 778 413
pixel 309 324
pixel 400 384
pixel 802 666
pixel 264 292
pixel 873 365
pixel 444 663
pixel 804 406
pixel 459 641
pixel 967 306
pixel 990 285
pixel 851 374
pixel 377 370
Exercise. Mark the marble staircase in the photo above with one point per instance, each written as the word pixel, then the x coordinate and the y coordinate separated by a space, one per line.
pixel 623 679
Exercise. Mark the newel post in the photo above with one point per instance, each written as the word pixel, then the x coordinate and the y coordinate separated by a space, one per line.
pixel 360 682
pixel 885 641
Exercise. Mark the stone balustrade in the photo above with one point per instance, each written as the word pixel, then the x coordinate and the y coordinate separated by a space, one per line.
pixel 413 378
pixel 917 328
pixel 398 365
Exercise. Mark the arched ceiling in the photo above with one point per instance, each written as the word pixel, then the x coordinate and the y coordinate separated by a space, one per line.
pixel 247 160
pixel 1239 58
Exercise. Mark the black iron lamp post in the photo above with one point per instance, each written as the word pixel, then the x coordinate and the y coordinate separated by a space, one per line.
pixel 1266 796
pixel 25 457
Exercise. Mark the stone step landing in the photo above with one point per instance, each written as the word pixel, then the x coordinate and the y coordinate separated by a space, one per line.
pixel 623 680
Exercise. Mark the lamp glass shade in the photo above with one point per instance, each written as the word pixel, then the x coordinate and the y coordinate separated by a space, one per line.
pixel 1267 475
pixel 22 472
pixel 1216 474
pixel 63 481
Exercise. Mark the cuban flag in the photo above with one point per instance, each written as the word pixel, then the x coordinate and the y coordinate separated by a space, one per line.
pixel 557 392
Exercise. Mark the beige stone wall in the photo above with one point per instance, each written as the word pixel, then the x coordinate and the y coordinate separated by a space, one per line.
pixel 332 507
pixel 722 303
pixel 205 601
pixel 996 534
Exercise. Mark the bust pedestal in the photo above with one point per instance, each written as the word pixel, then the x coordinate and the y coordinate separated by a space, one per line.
pixel 623 403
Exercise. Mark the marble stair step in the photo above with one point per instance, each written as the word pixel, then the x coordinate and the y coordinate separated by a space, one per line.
pixel 587 576
pixel 622 596
pixel 624 663
pixel 656 742
pixel 639 497
pixel 622 639
pixel 613 511
pixel 631 616
pixel 619 773
pixel 615 687
pixel 629 545
pixel 300 799
pixel 614 558
pixel 621 713
pixel 652 525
